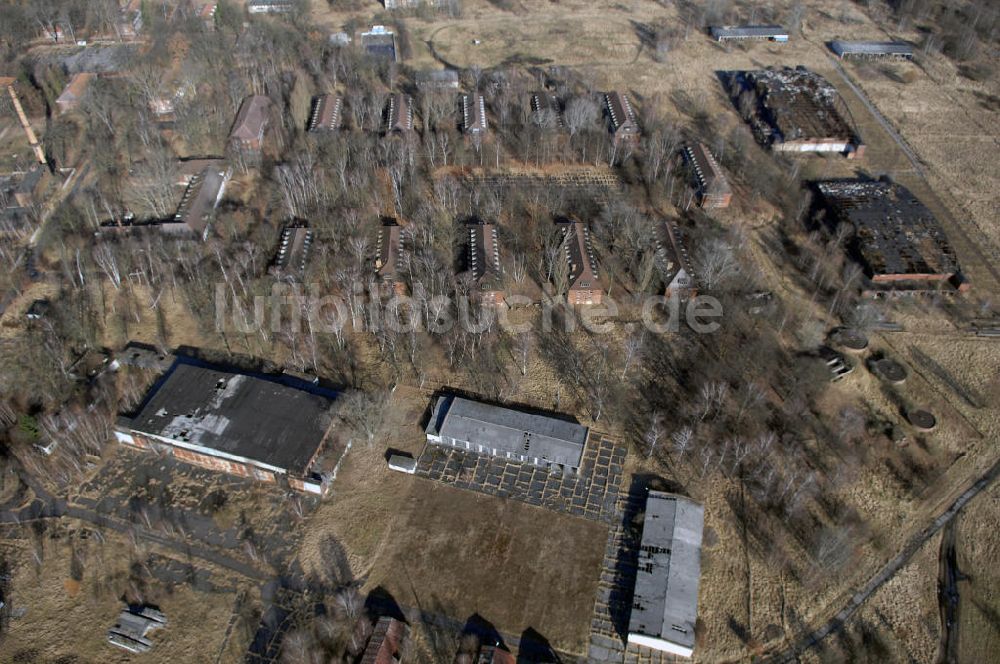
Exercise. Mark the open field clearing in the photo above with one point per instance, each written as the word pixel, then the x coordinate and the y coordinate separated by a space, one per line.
pixel 979 622
pixel 461 553
pixel 71 598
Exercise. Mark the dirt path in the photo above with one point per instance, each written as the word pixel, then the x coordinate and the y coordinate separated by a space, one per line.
pixel 948 597
pixel 807 641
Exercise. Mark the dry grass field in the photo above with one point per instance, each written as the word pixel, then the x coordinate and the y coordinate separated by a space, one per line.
pixel 459 553
pixel 979 608
pixel 67 610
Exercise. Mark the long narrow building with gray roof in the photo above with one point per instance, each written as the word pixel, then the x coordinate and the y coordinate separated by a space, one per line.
pixel 541 440
pixel 665 601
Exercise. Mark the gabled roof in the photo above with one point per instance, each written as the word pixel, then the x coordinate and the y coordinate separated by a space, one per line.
pixel 484 256
pixel 507 430
pixel 583 273
pixel 385 643
pixel 293 248
pixel 76 88
pixel 326 113
pixel 620 110
pixel 251 119
pixel 707 170
pixel 474 114
pixel 399 114
pixel 203 193
pixel 389 251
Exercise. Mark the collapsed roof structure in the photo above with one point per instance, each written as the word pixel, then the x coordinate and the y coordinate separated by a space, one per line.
pixel 896 237
pixel 795 110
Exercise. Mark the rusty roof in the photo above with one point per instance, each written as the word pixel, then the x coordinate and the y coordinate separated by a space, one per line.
pixel 252 118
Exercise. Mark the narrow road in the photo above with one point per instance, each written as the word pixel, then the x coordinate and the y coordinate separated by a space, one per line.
pixel 888 570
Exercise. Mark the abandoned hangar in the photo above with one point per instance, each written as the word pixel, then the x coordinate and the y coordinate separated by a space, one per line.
pixel 899 241
pixel 541 440
pixel 795 110
pixel 235 423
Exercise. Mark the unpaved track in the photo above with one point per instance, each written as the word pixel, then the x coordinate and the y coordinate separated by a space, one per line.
pixel 888 570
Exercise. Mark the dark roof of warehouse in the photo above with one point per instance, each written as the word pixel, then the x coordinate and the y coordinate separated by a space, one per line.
pixel 519 432
pixel 237 414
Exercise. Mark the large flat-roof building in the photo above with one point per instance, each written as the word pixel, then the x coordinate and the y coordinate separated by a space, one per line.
pixel 665 600
pixel 795 110
pixel 896 238
pixel 380 43
pixel 774 33
pixel 252 426
pixel 872 49
pixel 541 440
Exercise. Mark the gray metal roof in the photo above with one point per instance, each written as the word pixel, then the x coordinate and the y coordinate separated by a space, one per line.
pixel 665 602
pixel 515 431
pixel 842 48
pixel 237 415
pixel 748 31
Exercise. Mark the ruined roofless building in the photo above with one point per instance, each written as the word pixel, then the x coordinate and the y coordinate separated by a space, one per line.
pixel 795 110
pixel 897 239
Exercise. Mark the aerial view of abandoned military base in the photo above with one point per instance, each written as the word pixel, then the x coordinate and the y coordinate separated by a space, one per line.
pixel 499 331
